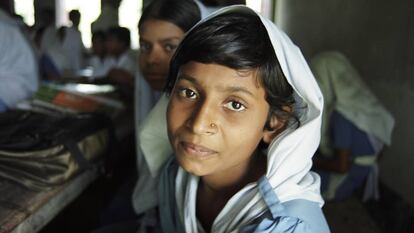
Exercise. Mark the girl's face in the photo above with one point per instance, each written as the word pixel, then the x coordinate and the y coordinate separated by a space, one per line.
pixel 113 46
pixel 98 46
pixel 216 118
pixel 158 41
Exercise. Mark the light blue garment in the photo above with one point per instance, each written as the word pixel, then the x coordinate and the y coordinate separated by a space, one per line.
pixel 145 192
pixel 168 211
pixel 346 136
pixel 3 106
pixel 296 216
pixel 18 66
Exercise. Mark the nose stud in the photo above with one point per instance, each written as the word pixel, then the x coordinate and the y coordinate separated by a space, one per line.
pixel 212 125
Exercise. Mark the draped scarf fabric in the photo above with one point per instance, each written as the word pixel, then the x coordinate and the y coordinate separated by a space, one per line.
pixel 289 155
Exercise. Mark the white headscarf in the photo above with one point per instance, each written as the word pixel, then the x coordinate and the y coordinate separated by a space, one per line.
pixel 289 155
pixel 345 92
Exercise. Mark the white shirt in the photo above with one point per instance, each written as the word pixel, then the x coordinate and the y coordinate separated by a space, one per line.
pixel 127 62
pixel 73 48
pixel 52 45
pixel 18 67
pixel 100 66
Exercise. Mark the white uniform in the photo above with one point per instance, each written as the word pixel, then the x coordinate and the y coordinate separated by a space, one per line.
pixel 73 47
pixel 18 67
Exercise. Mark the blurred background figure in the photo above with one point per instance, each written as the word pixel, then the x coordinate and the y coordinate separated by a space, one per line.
pixel 18 66
pixel 99 61
pixel 74 17
pixel 118 46
pixel 47 67
pixel 72 42
pixel 64 44
pixel 355 128
pixel 52 42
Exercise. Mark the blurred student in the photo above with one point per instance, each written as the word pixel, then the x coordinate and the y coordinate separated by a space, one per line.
pixel 18 66
pixel 355 128
pixel 52 40
pixel 117 44
pixel 100 62
pixel 72 42
pixel 48 69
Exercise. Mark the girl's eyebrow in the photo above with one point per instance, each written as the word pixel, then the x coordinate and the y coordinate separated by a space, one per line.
pixel 235 89
pixel 170 39
pixel 188 78
pixel 231 89
pixel 141 39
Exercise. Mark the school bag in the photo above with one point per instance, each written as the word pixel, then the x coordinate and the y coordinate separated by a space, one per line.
pixel 43 151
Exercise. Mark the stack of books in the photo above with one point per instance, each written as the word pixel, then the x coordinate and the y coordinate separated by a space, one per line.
pixel 76 98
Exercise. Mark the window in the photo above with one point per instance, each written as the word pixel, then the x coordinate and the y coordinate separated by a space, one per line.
pixel 26 10
pixel 129 14
pixel 89 11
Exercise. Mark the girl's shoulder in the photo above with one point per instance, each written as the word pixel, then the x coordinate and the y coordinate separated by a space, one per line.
pixel 294 216
pixel 298 216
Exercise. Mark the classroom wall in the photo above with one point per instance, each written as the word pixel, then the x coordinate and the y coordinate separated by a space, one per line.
pixel 378 37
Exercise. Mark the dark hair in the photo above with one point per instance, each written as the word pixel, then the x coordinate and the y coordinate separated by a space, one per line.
pixel 99 34
pixel 74 14
pixel 120 33
pixel 239 41
pixel 182 13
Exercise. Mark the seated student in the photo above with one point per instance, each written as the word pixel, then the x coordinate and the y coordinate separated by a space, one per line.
pixel 118 42
pixel 48 69
pixel 244 121
pixel 18 67
pixel 355 126
pixel 99 61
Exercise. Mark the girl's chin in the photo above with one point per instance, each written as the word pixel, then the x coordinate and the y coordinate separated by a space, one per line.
pixel 194 168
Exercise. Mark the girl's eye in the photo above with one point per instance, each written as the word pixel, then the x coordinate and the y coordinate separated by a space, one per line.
pixel 187 93
pixel 144 47
pixel 170 47
pixel 235 106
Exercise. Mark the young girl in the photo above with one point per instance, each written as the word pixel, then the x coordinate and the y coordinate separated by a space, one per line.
pixel 244 120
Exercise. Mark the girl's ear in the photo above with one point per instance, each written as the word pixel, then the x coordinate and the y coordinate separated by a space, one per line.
pixel 276 126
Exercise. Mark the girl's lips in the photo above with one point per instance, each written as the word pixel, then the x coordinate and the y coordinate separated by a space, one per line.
pixel 196 150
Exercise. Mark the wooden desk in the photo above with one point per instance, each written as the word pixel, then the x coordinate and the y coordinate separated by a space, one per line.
pixel 22 210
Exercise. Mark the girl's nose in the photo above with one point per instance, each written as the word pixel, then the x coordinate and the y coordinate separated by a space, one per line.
pixel 203 119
